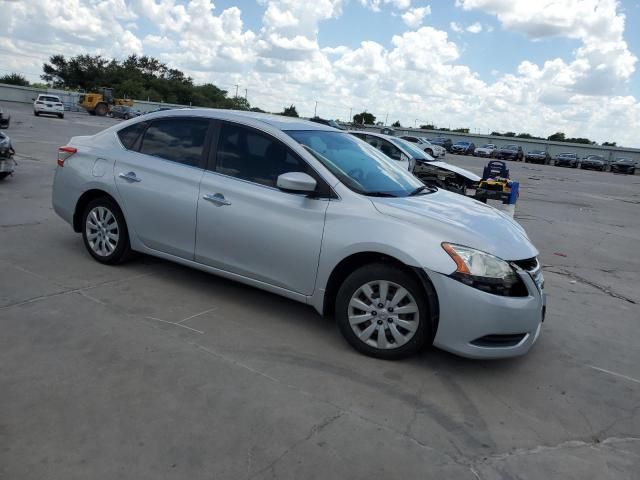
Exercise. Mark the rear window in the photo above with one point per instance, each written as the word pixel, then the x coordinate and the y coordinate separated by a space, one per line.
pixel 129 136
pixel 48 98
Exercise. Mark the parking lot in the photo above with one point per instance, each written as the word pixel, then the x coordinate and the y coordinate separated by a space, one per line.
pixel 153 370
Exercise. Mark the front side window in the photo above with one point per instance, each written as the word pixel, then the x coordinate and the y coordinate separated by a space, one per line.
pixel 254 156
pixel 357 165
pixel 177 139
pixel 384 146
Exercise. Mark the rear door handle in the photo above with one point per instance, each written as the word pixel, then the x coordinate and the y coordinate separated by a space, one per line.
pixel 217 198
pixel 131 176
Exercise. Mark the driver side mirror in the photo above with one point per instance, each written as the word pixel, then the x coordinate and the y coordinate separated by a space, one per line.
pixel 296 182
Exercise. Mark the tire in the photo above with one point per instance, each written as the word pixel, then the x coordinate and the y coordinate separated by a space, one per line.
pixel 61 115
pixel 414 338
pixel 36 113
pixel 4 175
pixel 430 152
pixel 101 109
pixel 107 211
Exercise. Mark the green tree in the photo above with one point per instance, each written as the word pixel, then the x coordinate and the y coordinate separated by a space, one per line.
pixel 427 127
pixel 509 134
pixel 609 144
pixel 557 137
pixel 525 135
pixel 396 124
pixel 290 111
pixel 364 118
pixel 496 134
pixel 14 79
pixel 140 77
pixel 461 130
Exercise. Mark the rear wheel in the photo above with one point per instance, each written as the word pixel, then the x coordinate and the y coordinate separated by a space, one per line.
pixel 4 175
pixel 430 152
pixel 104 232
pixel 382 311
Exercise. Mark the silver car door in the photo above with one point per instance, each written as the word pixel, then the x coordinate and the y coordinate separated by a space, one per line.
pixel 159 183
pixel 249 227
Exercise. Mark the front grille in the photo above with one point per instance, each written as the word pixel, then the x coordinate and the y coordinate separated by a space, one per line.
pixel 493 341
pixel 532 267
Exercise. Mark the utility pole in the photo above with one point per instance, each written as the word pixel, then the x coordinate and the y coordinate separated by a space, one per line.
pixel 350 115
pixel 315 110
pixel 386 119
pixel 245 94
pixel 236 90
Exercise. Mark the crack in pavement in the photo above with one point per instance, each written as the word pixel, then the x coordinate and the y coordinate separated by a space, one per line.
pixel 315 429
pixel 597 286
pixel 72 290
pixel 550 448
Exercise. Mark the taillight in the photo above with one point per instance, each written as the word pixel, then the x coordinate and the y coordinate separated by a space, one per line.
pixel 64 153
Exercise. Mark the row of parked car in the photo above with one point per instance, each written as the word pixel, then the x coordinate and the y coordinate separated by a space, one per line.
pixel 515 152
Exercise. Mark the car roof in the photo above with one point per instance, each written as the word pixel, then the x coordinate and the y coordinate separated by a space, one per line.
pixel 280 122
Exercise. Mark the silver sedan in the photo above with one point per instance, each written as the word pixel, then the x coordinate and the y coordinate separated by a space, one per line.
pixel 311 213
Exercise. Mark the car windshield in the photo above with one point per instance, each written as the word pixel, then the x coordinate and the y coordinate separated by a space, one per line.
pixel 415 152
pixel 595 157
pixel 488 145
pixel 510 147
pixel 358 165
pixel 537 152
pixel 464 144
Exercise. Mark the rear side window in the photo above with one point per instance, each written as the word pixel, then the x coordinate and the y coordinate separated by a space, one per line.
pixel 251 155
pixel 129 136
pixel 180 140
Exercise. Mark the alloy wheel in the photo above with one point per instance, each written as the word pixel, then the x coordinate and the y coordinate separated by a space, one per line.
pixel 102 230
pixel 383 314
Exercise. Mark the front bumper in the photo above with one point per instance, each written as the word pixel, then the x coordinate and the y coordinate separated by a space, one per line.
pixel 618 169
pixel 468 314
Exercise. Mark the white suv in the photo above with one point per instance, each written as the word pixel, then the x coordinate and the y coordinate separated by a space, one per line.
pixel 48 104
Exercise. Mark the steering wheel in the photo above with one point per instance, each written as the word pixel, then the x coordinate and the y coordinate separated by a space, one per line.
pixel 356 173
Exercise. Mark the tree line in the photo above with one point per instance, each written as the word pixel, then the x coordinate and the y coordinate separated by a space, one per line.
pixel 147 78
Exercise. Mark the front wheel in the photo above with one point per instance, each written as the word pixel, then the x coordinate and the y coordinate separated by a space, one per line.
pixel 382 311
pixel 104 232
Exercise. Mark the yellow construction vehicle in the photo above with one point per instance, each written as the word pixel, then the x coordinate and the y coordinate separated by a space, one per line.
pixel 100 103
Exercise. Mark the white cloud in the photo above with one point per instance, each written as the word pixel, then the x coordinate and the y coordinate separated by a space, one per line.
pixel 376 4
pixel 474 28
pixel 604 60
pixel 414 75
pixel 413 17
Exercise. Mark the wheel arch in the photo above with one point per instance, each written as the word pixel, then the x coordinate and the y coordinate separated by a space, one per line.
pixel 84 200
pixel 354 261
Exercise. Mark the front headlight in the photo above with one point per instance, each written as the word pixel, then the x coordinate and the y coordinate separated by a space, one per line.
pixel 484 271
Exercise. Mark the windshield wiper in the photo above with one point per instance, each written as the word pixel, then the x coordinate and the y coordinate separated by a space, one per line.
pixel 379 194
pixel 421 189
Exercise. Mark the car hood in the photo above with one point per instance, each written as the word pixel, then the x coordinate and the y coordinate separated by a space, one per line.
pixel 460 171
pixel 462 220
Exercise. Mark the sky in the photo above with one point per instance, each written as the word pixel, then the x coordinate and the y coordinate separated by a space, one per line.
pixel 535 66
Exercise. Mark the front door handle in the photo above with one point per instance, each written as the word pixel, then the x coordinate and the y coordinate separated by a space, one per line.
pixel 131 176
pixel 218 199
